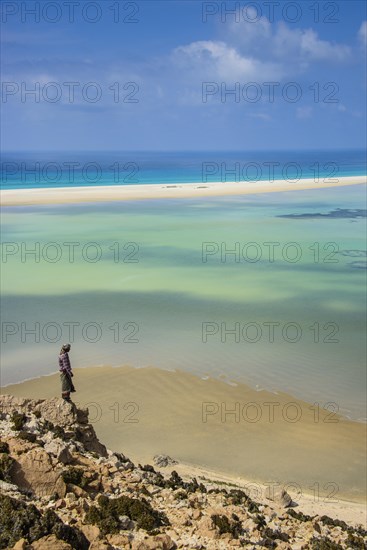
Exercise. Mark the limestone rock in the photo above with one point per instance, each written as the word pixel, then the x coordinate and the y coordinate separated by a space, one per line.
pixel 158 542
pixel 76 490
pixel 193 543
pixel 185 509
pixel 60 503
pixel 125 523
pixel 87 436
pixel 22 544
pixel 117 459
pixel 58 411
pixel 6 487
pixel 119 541
pixel 9 404
pixel 100 545
pixel 50 543
pixel 135 478
pixel 162 461
pixel 206 528
pixel 18 446
pixel 32 425
pixel 82 416
pixel 60 450
pixel 33 471
pixel 70 497
pixel 95 485
pixel 278 495
pixel 165 542
pixel 92 532
pixel 196 514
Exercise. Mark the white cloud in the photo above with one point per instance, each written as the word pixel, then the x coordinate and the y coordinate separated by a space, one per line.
pixel 305 45
pixel 252 36
pixel 257 52
pixel 282 43
pixel 217 60
pixel 318 49
pixel 362 34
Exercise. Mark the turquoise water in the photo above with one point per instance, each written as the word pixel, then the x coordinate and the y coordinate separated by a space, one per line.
pixel 138 270
pixel 21 170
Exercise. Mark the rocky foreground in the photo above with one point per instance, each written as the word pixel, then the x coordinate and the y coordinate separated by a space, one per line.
pixel 60 488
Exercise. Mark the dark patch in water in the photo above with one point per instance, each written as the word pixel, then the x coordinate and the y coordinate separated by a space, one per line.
pixel 359 264
pixel 354 253
pixel 333 214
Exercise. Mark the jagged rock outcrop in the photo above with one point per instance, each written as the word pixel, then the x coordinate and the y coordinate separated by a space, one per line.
pixel 60 489
pixel 48 431
pixel 59 413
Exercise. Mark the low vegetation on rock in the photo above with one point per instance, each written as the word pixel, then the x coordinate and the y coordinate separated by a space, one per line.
pixel 19 520
pixel 109 510
pixel 61 489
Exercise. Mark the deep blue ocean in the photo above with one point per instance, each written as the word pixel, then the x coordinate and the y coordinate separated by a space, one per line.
pixel 74 169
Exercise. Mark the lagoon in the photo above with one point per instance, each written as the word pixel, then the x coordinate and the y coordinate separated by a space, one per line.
pixel 263 289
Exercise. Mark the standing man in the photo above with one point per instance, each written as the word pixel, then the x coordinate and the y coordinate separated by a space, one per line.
pixel 66 374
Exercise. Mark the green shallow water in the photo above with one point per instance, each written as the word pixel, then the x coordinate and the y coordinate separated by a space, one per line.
pixel 160 292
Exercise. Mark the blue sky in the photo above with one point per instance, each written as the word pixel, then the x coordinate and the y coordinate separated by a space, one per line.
pixel 166 59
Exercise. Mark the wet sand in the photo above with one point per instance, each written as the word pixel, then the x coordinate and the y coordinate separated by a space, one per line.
pixel 232 430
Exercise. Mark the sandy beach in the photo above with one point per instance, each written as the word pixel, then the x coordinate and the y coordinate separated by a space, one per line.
pixel 223 431
pixel 66 195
